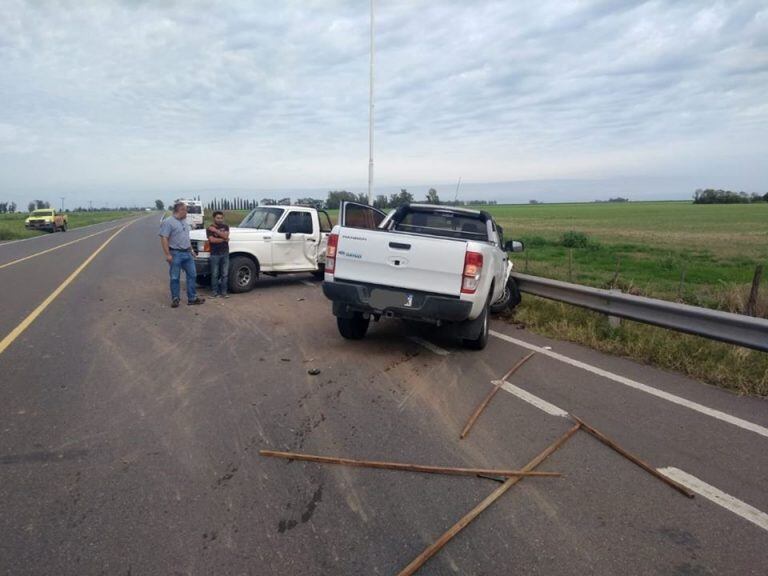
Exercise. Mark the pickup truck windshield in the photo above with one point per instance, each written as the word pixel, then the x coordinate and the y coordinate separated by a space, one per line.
pixel 443 223
pixel 262 218
pixel 192 209
pixel 42 213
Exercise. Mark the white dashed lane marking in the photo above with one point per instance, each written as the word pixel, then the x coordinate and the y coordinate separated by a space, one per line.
pixel 711 412
pixel 717 496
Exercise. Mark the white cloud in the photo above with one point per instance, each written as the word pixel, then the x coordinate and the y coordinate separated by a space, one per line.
pixel 144 96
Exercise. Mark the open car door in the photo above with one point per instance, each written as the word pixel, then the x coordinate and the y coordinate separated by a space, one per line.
pixel 355 215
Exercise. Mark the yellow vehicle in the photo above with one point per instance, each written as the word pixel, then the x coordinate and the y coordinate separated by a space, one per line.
pixel 46 219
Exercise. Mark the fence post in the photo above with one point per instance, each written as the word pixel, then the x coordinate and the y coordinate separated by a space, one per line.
pixel 570 264
pixel 751 309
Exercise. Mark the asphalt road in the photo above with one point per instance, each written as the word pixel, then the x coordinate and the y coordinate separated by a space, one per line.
pixel 129 438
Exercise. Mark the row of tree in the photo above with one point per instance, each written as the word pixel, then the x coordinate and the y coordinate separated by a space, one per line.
pixel 711 196
pixel 7 207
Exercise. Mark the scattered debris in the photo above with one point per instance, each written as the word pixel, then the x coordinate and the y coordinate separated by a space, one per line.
pixel 433 549
pixel 299 299
pixel 405 467
pixel 285 359
pixel 632 458
pixel 491 394
pixel 313 371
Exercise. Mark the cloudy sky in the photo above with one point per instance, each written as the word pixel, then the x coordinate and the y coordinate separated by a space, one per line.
pixel 129 101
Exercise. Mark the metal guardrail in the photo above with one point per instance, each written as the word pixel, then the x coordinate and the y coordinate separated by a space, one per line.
pixel 724 326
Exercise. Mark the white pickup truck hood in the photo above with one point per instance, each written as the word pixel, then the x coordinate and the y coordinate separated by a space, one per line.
pixel 235 234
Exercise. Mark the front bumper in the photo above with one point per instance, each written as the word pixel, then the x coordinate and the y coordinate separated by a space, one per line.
pixel 203 266
pixel 38 225
pixel 350 297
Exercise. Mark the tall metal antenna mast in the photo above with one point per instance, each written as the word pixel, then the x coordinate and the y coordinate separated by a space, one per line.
pixel 370 119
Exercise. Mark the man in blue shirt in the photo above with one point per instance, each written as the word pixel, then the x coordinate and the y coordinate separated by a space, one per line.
pixel 174 238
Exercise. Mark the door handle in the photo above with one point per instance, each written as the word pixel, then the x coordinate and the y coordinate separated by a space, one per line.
pixel 267 238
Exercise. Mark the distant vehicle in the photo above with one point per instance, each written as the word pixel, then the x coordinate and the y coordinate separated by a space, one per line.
pixel 46 219
pixel 437 264
pixel 270 240
pixel 194 213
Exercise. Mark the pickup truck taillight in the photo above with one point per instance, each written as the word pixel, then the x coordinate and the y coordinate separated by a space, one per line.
pixel 473 266
pixel 330 253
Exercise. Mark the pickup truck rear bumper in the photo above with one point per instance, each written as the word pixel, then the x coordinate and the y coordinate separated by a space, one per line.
pixel 350 297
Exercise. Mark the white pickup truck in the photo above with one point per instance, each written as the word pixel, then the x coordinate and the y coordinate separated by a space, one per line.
pixel 438 264
pixel 270 240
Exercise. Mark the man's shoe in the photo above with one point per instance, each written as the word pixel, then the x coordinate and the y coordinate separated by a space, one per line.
pixel 175 303
pixel 225 295
pixel 214 295
pixel 196 301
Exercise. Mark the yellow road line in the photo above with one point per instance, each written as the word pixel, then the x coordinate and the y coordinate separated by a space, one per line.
pixel 12 262
pixel 16 332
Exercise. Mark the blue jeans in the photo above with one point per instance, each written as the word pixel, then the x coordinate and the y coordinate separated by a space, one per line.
pixel 219 273
pixel 186 261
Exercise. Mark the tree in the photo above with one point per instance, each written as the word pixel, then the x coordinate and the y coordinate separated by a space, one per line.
pixel 765 197
pixel 31 206
pixel 336 197
pixel 404 197
pixel 268 202
pixel 12 205
pixel 159 205
pixel 432 197
pixel 381 202
pixel 3 207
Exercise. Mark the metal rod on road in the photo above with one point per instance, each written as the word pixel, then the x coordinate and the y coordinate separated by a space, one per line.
pixel 433 549
pixel 632 458
pixel 491 394
pixel 405 467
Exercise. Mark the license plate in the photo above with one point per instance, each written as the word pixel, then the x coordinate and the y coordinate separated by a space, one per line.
pixel 386 299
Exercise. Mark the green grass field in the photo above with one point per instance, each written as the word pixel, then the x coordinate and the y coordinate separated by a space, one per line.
pixel 702 255
pixel 12 225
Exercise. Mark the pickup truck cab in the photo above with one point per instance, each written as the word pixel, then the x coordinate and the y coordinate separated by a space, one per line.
pixel 438 264
pixel 270 240
pixel 46 219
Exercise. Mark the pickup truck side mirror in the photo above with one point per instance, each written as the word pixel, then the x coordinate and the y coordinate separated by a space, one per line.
pixel 288 235
pixel 514 246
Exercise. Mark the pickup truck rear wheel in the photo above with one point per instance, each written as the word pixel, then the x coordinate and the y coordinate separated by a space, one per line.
pixel 242 274
pixel 480 342
pixel 353 328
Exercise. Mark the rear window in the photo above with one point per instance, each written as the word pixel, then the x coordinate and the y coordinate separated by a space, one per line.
pixel 444 223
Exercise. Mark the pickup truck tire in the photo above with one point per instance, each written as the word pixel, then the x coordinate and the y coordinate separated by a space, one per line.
pixel 64 227
pixel 353 328
pixel 242 274
pixel 319 274
pixel 480 342
pixel 509 299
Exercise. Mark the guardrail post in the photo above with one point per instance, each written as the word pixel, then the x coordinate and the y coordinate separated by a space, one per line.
pixel 614 321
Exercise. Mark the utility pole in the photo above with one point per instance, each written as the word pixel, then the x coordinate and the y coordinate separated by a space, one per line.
pixel 62 203
pixel 370 119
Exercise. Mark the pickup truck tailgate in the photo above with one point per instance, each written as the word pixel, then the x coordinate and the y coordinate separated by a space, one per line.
pixel 401 260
